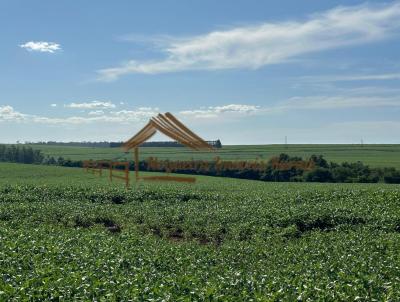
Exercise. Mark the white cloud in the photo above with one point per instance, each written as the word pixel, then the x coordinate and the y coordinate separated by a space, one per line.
pixel 7 113
pixel 53 105
pixel 295 103
pixel 359 77
pixel 211 112
pixel 270 43
pixel 118 117
pixel 141 114
pixel 337 102
pixel 92 105
pixel 41 46
pixel 96 112
pixel 124 116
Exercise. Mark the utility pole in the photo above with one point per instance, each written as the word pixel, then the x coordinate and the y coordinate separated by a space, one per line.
pixel 286 142
pixel 362 142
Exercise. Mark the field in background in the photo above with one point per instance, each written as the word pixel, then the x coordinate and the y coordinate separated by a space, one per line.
pixel 21 174
pixel 373 155
pixel 69 235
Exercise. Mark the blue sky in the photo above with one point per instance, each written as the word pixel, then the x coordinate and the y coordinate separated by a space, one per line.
pixel 247 72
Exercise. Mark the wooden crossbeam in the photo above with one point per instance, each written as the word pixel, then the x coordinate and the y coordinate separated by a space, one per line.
pixel 145 128
pixel 169 178
pixel 97 167
pixel 195 141
pixel 185 139
pixel 172 134
pixel 186 129
pixel 144 136
pixel 125 164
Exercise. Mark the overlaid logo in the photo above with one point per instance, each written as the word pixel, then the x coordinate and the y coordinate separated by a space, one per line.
pixel 175 129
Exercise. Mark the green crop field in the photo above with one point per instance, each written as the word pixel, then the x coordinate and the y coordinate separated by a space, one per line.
pixel 373 155
pixel 69 235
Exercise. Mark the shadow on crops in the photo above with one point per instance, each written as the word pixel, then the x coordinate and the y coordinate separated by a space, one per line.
pixel 108 223
pixel 297 225
pixel 178 235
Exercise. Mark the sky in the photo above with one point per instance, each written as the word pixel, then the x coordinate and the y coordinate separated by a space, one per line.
pixel 243 71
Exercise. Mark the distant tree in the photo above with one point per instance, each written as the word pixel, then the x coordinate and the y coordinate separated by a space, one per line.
pixel 319 175
pixel 115 144
pixel 319 161
pixel 284 157
pixel 20 154
pixel 392 176
pixel 60 161
pixel 218 144
pixel 2 152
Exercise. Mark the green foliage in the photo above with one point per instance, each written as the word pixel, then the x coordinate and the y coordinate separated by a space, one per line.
pixel 371 155
pixel 73 236
pixel 216 144
pixel 18 154
pixel 285 168
pixel 319 174
pixel 322 171
pixel 391 176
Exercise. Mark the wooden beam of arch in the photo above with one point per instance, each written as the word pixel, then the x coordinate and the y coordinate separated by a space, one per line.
pixel 141 138
pixel 145 128
pixel 170 126
pixel 143 134
pixel 180 131
pixel 167 132
pixel 133 138
pixel 184 138
pixel 182 126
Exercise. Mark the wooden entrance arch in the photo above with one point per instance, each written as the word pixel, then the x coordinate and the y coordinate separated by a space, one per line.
pixel 171 127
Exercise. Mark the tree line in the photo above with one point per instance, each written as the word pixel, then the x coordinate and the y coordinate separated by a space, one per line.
pixel 104 144
pixel 291 171
pixel 17 154
pixel 216 144
pixel 322 170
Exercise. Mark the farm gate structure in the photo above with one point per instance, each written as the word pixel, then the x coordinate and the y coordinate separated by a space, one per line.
pixel 113 167
pixel 164 123
pixel 95 166
pixel 170 126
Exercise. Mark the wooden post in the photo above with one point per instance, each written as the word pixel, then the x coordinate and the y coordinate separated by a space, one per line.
pixel 136 164
pixel 127 174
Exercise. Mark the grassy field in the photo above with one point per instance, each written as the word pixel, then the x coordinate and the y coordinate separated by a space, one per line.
pixel 373 155
pixel 69 235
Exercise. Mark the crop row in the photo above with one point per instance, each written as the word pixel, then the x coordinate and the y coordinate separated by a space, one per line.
pixel 169 243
